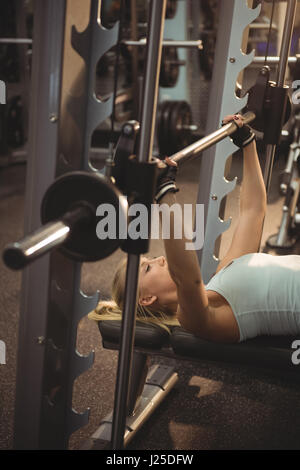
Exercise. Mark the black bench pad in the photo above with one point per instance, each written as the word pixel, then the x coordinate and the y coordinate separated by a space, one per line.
pixel 146 336
pixel 264 351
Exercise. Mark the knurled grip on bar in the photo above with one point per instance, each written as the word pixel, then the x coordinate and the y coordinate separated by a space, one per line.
pixel 210 140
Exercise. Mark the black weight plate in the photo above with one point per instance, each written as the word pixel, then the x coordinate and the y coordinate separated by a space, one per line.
pixel 162 137
pixel 173 66
pixel 174 122
pixel 158 126
pixel 169 145
pixel 92 189
pixel 207 53
pixel 171 9
pixel 186 119
pixel 181 116
pixel 169 70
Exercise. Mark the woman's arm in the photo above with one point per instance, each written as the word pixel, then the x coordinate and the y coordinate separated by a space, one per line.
pixel 253 195
pixel 194 313
pixel 253 205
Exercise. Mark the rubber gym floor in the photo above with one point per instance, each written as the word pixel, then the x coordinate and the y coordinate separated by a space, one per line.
pixel 212 406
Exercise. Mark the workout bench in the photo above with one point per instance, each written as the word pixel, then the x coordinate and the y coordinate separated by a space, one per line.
pixel 149 387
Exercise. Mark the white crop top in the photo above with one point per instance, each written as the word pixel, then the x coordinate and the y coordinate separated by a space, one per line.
pixel 264 293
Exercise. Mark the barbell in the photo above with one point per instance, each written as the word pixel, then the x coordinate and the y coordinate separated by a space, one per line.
pixel 210 140
pixel 68 212
pixel 69 207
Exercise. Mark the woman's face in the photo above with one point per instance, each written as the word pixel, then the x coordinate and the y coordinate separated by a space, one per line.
pixel 155 280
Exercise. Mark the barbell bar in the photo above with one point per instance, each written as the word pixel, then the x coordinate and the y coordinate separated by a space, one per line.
pixel 15 41
pixel 167 43
pixel 210 140
pixel 69 206
pixel 141 42
pixel 263 26
pixel 63 209
pixel 272 60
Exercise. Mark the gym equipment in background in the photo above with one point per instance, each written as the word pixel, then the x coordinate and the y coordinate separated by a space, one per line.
pixel 48 326
pixel 289 229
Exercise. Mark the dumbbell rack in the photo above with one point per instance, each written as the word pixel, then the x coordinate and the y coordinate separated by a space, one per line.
pixel 14 115
pixel 53 303
pixel 213 187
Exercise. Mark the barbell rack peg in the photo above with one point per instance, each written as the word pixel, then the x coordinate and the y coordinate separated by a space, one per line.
pixel 263 26
pixel 167 43
pixel 176 62
pixel 191 127
pixel 16 41
pixel 272 60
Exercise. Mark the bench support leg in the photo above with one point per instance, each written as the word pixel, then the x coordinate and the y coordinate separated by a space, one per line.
pixel 159 382
pixel 139 371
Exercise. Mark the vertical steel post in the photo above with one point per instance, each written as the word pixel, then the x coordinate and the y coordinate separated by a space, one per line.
pixel 228 63
pixel 80 113
pixel 283 61
pixel 150 91
pixel 49 21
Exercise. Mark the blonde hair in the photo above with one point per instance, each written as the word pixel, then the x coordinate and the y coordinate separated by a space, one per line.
pixel 112 309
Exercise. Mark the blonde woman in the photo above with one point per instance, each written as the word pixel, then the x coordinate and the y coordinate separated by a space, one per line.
pixel 251 293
